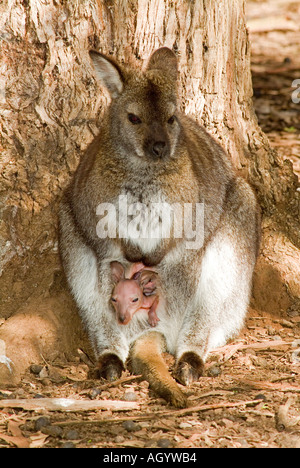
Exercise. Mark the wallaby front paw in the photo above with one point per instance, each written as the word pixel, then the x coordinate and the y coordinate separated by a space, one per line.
pixel 110 367
pixel 189 368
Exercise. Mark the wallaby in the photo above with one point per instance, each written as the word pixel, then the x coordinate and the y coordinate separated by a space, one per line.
pixel 149 155
pixel 136 294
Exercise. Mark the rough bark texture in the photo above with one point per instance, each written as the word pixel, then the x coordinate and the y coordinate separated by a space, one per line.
pixel 50 103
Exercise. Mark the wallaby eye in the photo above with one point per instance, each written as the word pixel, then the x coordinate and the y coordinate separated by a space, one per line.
pixel 134 119
pixel 171 120
pixel 113 299
pixel 135 300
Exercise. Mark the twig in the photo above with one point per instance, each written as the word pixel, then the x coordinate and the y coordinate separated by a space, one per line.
pixel 261 385
pixel 280 379
pixel 121 381
pixel 268 414
pixel 68 404
pixel 85 358
pixel 163 414
pixel 273 70
pixel 231 349
pixel 47 363
pixel 214 393
pixel 91 383
pixel 105 421
pixel 261 345
pixel 196 409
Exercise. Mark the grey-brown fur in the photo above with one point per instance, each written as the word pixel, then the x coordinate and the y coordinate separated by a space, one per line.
pixel 161 158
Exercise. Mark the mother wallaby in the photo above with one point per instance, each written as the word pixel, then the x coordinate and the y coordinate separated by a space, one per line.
pixel 147 156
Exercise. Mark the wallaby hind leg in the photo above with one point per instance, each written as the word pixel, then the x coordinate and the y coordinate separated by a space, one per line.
pixel 189 368
pixel 110 367
pixel 146 359
pixel 224 284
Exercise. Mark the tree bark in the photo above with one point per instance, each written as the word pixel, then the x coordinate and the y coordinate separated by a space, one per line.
pixel 50 104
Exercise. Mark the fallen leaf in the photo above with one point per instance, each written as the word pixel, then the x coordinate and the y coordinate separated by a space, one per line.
pixel 195 437
pixel 37 441
pixel 17 437
pixel 19 440
pixel 7 438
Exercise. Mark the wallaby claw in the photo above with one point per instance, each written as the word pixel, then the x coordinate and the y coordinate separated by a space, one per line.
pixel 178 400
pixel 189 368
pixel 110 367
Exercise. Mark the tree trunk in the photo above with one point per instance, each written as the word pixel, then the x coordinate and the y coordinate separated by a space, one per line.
pixel 50 105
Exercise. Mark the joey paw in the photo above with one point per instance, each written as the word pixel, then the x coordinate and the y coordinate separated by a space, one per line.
pixel 153 321
pixel 189 368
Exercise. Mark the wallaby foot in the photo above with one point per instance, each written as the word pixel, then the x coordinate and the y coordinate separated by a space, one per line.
pixel 189 368
pixel 146 359
pixel 110 367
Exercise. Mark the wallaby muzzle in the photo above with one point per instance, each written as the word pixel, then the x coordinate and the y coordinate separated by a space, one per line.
pixel 156 145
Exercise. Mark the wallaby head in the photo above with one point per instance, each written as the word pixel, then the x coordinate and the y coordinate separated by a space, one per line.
pixel 142 113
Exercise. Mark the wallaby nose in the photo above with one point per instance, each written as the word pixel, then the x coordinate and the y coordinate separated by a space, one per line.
pixel 158 148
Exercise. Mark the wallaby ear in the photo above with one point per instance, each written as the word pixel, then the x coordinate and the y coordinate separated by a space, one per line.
pixel 117 271
pixel 108 73
pixel 164 60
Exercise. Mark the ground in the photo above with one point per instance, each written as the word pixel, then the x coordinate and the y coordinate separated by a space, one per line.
pixel 240 402
pixel 275 48
pixel 250 393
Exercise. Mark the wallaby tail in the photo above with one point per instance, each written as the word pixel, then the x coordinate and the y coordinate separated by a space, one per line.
pixel 146 359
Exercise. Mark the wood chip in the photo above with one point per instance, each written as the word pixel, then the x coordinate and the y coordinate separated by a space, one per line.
pixel 283 420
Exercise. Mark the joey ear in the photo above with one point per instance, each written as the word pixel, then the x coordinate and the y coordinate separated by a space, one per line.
pixel 117 271
pixel 164 60
pixel 108 73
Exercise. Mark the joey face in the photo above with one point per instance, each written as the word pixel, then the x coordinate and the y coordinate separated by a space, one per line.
pixel 127 298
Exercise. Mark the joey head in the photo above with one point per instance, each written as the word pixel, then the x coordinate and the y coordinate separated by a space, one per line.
pixel 134 295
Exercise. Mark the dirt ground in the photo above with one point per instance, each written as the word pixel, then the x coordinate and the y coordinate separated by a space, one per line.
pixel 250 394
